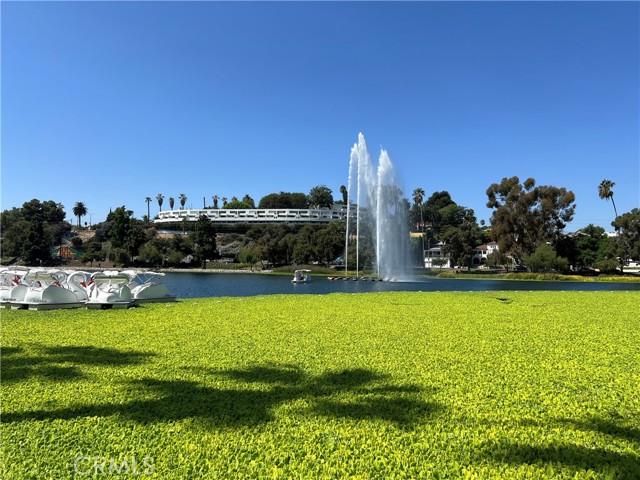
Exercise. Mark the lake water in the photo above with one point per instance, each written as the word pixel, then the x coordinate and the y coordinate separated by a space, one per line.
pixel 197 285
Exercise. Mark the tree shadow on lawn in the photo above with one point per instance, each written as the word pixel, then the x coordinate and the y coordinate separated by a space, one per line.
pixel 261 390
pixel 620 465
pixel 578 457
pixel 61 363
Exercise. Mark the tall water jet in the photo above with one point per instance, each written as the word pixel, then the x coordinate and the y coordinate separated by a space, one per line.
pixel 381 215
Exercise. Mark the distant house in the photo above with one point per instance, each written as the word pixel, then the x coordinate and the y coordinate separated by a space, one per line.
pixel 481 252
pixel 66 252
pixel 435 257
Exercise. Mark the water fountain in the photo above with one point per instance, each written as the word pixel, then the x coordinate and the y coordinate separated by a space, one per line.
pixel 380 214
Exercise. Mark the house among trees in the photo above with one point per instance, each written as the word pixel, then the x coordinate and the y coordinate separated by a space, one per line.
pixel 66 252
pixel 436 257
pixel 482 251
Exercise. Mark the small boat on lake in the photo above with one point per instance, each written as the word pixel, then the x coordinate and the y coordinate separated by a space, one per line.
pixel 302 276
pixel 12 286
pixel 45 291
pixel 109 289
pixel 144 288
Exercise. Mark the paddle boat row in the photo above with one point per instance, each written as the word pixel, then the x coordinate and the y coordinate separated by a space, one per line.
pixel 46 289
pixel 345 278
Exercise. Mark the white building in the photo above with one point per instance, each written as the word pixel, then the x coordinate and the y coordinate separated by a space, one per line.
pixel 256 215
pixel 435 257
pixel 481 252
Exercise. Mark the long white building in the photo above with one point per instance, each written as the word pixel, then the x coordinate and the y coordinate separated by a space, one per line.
pixel 257 215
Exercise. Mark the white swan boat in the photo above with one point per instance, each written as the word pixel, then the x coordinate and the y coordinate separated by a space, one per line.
pixel 45 291
pixel 109 289
pixel 78 282
pixel 302 276
pixel 144 288
pixel 12 286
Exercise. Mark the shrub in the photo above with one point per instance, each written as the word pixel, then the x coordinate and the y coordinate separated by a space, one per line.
pixel 544 259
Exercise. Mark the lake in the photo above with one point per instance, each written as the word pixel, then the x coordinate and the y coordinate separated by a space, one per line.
pixel 198 285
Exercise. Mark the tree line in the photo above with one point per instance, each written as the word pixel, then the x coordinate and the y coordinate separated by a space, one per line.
pixel 527 222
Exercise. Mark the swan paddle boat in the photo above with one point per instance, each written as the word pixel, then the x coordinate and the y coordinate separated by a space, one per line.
pixel 45 291
pixel 144 288
pixel 302 276
pixel 109 289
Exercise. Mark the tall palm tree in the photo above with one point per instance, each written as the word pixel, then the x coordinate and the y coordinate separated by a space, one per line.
pixel 79 210
pixel 160 199
pixel 148 200
pixel 605 192
pixel 215 199
pixel 172 202
pixel 183 200
pixel 224 201
pixel 418 196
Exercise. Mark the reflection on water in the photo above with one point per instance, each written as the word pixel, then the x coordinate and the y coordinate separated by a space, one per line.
pixel 197 285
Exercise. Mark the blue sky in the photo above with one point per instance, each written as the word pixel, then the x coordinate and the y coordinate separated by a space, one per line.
pixel 110 102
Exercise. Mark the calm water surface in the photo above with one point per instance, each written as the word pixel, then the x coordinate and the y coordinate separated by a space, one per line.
pixel 197 285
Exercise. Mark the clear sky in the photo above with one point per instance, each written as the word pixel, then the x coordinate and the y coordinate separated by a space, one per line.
pixel 110 102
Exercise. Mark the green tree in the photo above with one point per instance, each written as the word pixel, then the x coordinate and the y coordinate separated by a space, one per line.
pixel 461 241
pixel 79 210
pixel 236 204
pixel 136 237
pixel 284 200
pixel 248 201
pixel 628 240
pixel 215 199
pixel 160 199
pixel 31 230
pixel 330 242
pixel 545 259
pixel 303 252
pixel 148 200
pixel 526 215
pixel 605 192
pixel 120 226
pixel 321 196
pixel 150 255
pixel 172 202
pixel 345 194
pixel 497 259
pixel 204 241
pixel 251 254
pixel 591 244
pixel 183 200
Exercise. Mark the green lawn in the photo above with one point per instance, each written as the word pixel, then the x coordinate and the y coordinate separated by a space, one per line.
pixel 390 385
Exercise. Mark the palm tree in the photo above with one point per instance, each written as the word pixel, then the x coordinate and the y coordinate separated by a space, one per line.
pixel 215 199
pixel 183 200
pixel 418 196
pixel 148 200
pixel 172 202
pixel 79 210
pixel 160 199
pixel 224 201
pixel 605 192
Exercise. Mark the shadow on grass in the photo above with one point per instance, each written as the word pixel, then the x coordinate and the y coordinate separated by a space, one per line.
pixel 355 394
pixel 615 465
pixel 578 457
pixel 607 427
pixel 61 363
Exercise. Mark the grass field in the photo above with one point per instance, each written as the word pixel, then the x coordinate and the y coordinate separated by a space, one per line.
pixel 390 385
